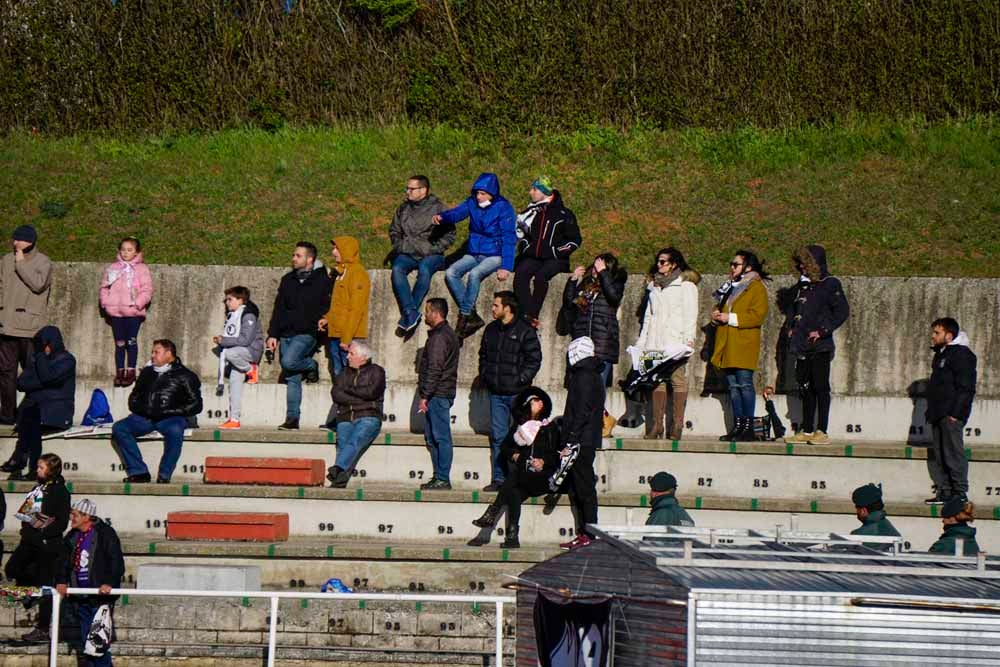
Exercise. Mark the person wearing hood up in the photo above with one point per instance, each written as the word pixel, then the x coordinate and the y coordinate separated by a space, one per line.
pixel 418 245
pixel 49 386
pixel 548 235
pixel 240 348
pixel 302 299
pixel 819 308
pixel 950 391
pixel 25 283
pixel 492 245
pixel 126 290
pixel 347 318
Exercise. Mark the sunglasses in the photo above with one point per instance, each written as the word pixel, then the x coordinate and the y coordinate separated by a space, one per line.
pixel 735 264
pixel 663 262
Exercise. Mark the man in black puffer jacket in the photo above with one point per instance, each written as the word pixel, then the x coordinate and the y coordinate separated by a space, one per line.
pixel 164 396
pixel 509 357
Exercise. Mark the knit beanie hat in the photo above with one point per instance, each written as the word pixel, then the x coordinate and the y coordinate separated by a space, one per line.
pixel 86 506
pixel 580 349
pixel 662 481
pixel 866 495
pixel 953 507
pixel 543 184
pixel 527 432
pixel 25 233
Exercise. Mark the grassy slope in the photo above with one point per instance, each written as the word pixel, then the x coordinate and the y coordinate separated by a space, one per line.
pixel 885 198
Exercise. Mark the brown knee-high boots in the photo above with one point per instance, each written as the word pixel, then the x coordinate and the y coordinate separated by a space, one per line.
pixel 677 422
pixel 658 401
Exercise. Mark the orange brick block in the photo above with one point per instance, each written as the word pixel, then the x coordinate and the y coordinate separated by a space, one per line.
pixel 270 471
pixel 228 526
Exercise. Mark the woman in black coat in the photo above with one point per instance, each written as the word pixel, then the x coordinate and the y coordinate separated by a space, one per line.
pixel 531 450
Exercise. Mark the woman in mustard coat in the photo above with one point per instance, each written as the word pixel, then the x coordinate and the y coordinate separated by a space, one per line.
pixel 741 307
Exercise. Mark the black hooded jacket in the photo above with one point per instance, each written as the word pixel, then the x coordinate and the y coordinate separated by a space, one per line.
pixel 952 384
pixel 55 504
pixel 553 234
pixel 509 356
pixel 600 319
pixel 49 380
pixel 174 393
pixel 299 304
pixel 583 420
pixel 818 305
pixel 546 445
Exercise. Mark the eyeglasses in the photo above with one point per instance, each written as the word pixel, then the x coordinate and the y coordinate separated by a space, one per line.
pixel 735 264
pixel 409 189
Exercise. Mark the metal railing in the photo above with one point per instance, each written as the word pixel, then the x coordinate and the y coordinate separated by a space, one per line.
pixel 274 596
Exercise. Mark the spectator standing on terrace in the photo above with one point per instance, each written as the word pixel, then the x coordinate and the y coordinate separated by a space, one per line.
pixel 49 386
pixel 950 392
pixel 817 308
pixel 43 514
pixel 510 355
pixel 94 560
pixel 358 394
pixel 418 245
pixel 165 395
pixel 240 348
pixel 548 235
pixel 126 290
pixel 303 297
pixel 347 318
pixel 492 245
pixel 25 282
pixel 437 381
pixel 739 314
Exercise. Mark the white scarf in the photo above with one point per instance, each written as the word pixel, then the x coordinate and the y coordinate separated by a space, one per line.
pixel 231 329
pixel 119 268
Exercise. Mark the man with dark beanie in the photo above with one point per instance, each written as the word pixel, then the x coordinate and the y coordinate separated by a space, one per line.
pixel 870 510
pixel 25 281
pixel 664 508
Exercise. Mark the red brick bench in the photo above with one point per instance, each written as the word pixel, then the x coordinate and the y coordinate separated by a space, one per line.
pixel 270 471
pixel 228 526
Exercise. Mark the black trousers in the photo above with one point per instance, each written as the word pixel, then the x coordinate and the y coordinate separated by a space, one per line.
pixel 13 351
pixel 518 486
pixel 29 435
pixel 946 462
pixel 35 564
pixel 583 488
pixel 540 272
pixel 813 376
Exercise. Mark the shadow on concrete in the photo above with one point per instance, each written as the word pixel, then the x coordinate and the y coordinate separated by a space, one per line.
pixel 920 431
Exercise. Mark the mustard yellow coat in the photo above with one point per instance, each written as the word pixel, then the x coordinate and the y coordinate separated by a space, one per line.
pixel 739 346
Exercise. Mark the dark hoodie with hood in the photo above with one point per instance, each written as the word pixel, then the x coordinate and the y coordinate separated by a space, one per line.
pixel 493 229
pixel 546 445
pixel 952 384
pixel 819 304
pixel 583 420
pixel 552 232
pixel 49 380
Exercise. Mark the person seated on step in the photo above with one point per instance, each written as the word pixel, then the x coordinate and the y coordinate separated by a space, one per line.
pixel 240 348
pixel 49 385
pixel 531 452
pixel 868 506
pixel 164 396
pixel 358 394
pixel 664 508
pixel 956 515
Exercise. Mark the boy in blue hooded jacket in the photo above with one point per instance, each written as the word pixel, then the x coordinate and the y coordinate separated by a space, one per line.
pixel 492 245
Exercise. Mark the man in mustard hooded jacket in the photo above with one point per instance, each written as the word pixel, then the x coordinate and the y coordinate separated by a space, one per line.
pixel 347 318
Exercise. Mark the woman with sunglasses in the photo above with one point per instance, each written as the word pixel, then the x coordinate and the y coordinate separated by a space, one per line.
pixel 670 318
pixel 741 307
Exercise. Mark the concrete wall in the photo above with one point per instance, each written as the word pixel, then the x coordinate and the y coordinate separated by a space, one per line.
pixel 882 349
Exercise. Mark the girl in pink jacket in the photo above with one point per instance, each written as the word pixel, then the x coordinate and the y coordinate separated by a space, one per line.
pixel 126 290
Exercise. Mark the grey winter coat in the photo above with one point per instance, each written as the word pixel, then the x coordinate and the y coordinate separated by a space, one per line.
pixel 414 233
pixel 24 294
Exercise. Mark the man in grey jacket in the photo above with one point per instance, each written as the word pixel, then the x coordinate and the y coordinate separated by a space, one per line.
pixel 25 280
pixel 419 245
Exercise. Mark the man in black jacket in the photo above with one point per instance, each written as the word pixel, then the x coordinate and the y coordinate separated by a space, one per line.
pixel 437 381
pixel 164 396
pixel 303 299
pixel 582 426
pixel 93 560
pixel 509 357
pixel 358 393
pixel 39 556
pixel 950 391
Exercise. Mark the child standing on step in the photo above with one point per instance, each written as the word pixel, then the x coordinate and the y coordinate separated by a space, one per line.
pixel 126 290
pixel 240 348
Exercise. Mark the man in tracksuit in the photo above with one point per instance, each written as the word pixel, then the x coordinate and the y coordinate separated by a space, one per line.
pixel 950 391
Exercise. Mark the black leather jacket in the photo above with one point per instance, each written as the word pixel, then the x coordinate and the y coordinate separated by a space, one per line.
pixel 175 393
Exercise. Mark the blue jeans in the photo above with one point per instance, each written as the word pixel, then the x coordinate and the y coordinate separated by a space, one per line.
pixel 410 300
pixel 437 433
pixel 500 407
pixel 338 357
pixel 296 358
pixel 125 432
pixel 353 439
pixel 85 614
pixel 478 267
pixel 741 394
pixel 606 370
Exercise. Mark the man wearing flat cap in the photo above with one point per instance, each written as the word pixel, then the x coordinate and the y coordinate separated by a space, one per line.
pixel 25 280
pixel 870 510
pixel 666 511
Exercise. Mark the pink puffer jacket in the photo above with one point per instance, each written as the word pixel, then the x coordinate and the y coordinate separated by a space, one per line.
pixel 117 299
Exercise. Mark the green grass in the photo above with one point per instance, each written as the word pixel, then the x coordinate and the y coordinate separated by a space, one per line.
pixel 886 198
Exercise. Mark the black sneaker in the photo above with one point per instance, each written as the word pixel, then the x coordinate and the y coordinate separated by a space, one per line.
pixel 473 323
pixel 36 636
pixel 18 476
pixel 551 502
pixel 333 472
pixel 427 484
pixel 12 465
pixel 160 480
pixel 291 424
pixel 312 375
pixel 935 500
pixel 141 478
pixel 493 486
pixel 436 485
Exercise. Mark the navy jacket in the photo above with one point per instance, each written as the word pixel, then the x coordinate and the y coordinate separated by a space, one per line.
pixel 49 380
pixel 492 230
pixel 952 384
pixel 819 305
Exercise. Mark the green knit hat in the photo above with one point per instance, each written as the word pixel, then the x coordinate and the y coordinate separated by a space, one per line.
pixel 543 184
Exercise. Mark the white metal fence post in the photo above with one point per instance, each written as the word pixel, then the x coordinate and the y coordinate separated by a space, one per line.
pixel 272 632
pixel 499 634
pixel 54 629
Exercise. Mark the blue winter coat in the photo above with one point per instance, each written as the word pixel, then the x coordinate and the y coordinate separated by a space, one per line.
pixel 49 380
pixel 492 230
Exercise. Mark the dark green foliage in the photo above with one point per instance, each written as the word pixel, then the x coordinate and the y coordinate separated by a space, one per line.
pixel 500 65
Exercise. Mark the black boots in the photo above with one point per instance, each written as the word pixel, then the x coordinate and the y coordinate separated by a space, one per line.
pixel 742 431
pixel 489 517
pixel 510 540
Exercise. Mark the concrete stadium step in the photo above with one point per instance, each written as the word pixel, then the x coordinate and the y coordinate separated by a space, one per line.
pixel 394 512
pixel 708 467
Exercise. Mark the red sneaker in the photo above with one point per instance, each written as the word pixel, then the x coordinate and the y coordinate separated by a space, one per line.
pixel 253 375
pixel 576 542
pixel 231 424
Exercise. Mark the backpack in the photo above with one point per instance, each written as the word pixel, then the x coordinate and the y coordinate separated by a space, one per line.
pixel 99 410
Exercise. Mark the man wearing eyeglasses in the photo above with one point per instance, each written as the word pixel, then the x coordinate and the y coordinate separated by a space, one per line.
pixel 419 245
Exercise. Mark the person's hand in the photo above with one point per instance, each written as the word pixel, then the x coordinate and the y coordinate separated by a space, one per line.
pixel 422 406
pixel 272 344
pixel 18 254
pixel 515 456
pixel 104 589
pixel 216 339
pixel 564 452
pixel 344 346
pixel 952 420
pixel 503 274
pixel 537 464
pixel 578 273
pixel 61 590
pixel 599 265
pixel 721 318
pixel 768 393
pixel 813 336
pixel 321 325
pixel 436 219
